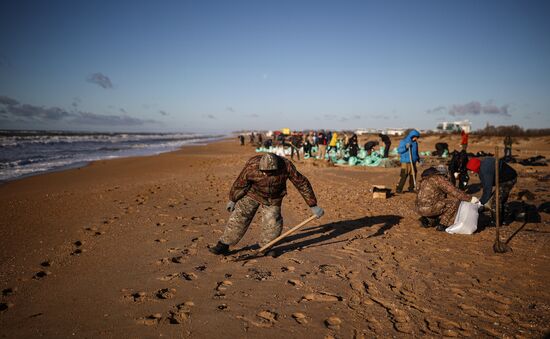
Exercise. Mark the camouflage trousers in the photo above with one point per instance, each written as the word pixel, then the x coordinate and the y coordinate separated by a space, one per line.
pixel 241 217
pixel 445 209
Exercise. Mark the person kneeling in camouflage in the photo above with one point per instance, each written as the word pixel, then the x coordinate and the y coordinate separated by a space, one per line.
pixel 438 200
pixel 262 182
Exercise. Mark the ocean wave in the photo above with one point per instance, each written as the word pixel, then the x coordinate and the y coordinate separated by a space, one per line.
pixel 17 140
pixel 28 153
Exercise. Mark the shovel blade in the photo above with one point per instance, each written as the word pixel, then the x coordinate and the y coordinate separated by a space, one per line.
pixel 500 247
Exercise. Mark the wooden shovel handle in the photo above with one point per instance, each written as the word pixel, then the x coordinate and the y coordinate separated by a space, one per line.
pixel 287 233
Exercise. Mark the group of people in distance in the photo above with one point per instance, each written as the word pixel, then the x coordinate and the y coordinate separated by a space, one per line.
pixel 262 184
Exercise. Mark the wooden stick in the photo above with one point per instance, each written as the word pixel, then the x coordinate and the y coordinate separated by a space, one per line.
pixel 497 189
pixel 287 233
pixel 412 167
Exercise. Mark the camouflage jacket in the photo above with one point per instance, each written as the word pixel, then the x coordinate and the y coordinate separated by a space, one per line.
pixel 435 188
pixel 269 189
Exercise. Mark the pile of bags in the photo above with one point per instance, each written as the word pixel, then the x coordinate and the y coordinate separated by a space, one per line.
pixel 341 157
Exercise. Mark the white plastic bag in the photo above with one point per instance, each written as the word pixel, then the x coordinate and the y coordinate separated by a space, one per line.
pixel 465 220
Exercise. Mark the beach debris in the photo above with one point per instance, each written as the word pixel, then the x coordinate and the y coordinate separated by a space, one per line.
pixel 161 240
pixel 333 323
pixel 380 192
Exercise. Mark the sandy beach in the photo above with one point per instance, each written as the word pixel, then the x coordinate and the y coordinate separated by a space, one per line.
pixel 118 249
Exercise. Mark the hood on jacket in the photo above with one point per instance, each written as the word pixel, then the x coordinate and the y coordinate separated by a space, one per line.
pixel 412 134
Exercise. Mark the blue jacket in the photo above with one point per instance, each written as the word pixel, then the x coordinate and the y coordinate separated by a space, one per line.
pixel 404 152
pixel 487 176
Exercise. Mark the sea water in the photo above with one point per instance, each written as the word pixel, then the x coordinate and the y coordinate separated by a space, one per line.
pixel 24 153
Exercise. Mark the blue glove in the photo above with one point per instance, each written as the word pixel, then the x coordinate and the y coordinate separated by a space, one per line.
pixel 230 206
pixel 317 211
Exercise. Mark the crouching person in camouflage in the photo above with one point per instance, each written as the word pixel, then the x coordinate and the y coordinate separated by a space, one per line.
pixel 262 182
pixel 438 200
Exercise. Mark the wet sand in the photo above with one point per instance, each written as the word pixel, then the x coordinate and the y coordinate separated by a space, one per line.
pixel 118 249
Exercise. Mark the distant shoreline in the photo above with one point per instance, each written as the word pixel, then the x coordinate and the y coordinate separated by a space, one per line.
pixel 81 164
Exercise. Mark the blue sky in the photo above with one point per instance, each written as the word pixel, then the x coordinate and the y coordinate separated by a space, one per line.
pixel 227 65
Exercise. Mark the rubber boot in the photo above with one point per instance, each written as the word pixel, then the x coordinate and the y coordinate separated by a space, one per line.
pixel 424 222
pixel 220 248
pixel 428 222
pixel 440 228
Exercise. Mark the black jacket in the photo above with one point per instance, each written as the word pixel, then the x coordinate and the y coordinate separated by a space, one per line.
pixel 385 139
pixel 487 176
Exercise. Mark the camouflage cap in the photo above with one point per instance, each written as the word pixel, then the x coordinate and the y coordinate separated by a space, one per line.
pixel 269 162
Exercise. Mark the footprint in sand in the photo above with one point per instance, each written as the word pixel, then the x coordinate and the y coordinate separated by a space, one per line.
pixel 259 274
pixel 165 293
pixel 46 263
pixel 169 277
pixel 223 285
pixel 41 274
pixel 178 259
pixel 288 269
pixel 163 261
pixel 267 317
pixel 188 275
pixel 295 282
pixel 94 231
pixel 300 318
pixel 5 306
pixel 137 297
pixel 333 323
pixel 78 250
pixel 322 296
pixel 181 312
pixel 8 292
pixel 151 320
